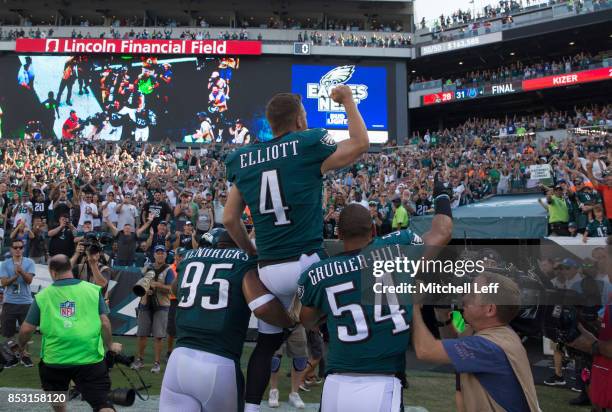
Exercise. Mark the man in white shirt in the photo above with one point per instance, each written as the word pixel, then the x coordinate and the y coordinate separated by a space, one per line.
pixel 126 212
pixel 202 135
pixel 22 211
pixel 241 134
pixel 130 188
pixel 89 210
pixel 109 208
pixel 219 208
pixel 458 190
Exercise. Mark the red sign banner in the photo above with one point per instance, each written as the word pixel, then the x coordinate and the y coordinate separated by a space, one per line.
pixel 139 46
pixel 568 79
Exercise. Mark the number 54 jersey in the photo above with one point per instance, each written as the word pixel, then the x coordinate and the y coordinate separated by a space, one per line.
pixel 281 182
pixel 364 337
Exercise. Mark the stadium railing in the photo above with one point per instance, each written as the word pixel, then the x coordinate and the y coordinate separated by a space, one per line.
pixel 524 17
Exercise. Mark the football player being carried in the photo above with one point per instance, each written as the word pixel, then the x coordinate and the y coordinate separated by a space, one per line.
pixel 212 317
pixel 366 363
pixel 281 181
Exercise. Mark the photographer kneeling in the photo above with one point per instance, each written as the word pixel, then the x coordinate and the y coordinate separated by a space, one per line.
pixel 75 327
pixel 495 374
pixel 600 391
pixel 154 289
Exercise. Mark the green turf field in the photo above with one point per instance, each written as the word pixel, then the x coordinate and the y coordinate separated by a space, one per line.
pixel 434 391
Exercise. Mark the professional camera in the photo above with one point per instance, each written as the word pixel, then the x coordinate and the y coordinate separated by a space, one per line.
pixel 90 239
pixel 143 285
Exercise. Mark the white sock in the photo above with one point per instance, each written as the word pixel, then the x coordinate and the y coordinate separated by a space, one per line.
pixel 251 407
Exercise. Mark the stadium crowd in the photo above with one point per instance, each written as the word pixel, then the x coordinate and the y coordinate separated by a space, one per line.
pixel 501 9
pixel 100 185
pixel 521 71
pixel 132 204
pixel 315 37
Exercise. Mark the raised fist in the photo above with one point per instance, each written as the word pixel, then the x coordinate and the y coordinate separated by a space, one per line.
pixel 342 94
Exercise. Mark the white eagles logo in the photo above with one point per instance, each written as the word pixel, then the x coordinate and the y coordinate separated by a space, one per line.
pixel 328 140
pixel 336 76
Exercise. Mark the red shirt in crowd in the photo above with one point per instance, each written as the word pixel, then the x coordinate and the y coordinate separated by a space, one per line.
pixel 68 129
pixel 606 194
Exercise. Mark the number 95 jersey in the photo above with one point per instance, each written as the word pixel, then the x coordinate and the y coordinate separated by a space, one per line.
pixel 212 314
pixel 281 182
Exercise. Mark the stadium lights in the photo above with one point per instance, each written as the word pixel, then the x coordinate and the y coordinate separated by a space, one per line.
pixel 460 63
pixel 511 53
pixel 571 43
pixel 413 71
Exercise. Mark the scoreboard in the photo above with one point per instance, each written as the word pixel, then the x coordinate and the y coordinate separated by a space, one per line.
pixel 459 94
pixel 517 86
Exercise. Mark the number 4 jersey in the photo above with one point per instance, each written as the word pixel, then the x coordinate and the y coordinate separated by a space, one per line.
pixel 212 314
pixel 281 182
pixel 363 338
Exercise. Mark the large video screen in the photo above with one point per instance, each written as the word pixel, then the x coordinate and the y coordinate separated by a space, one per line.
pixel 182 98
pixel 369 85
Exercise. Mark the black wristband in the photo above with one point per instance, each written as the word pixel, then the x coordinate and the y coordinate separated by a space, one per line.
pixel 442 205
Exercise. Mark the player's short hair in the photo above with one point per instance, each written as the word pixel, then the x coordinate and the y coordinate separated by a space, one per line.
pixel 355 222
pixel 282 111
pixel 507 299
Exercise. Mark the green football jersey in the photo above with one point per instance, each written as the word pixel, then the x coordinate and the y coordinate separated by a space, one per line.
pixel 281 182
pixel 595 228
pixel 212 314
pixel 363 338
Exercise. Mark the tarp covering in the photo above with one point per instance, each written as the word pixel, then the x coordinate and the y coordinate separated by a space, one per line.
pixel 500 217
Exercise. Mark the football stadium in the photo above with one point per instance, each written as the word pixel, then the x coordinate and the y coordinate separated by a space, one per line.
pixel 283 205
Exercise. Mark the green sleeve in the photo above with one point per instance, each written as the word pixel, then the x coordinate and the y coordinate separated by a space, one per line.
pixel 229 169
pixel 305 291
pixel 323 143
pixel 400 237
pixel 102 307
pixel 33 316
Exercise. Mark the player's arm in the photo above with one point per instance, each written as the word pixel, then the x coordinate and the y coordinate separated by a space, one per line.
pixel 232 220
pixel 358 143
pixel 442 223
pixel 310 317
pixel 264 305
pixel 426 346
pixel 111 226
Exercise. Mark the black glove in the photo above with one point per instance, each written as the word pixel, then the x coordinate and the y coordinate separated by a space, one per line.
pixel 442 196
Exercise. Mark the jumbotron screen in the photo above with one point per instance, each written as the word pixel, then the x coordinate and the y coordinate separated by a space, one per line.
pixel 183 98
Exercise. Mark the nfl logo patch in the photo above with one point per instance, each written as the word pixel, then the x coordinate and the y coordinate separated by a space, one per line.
pixel 67 309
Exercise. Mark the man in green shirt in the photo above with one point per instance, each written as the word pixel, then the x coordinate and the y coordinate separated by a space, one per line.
pixel 400 215
pixel 75 328
pixel 558 213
